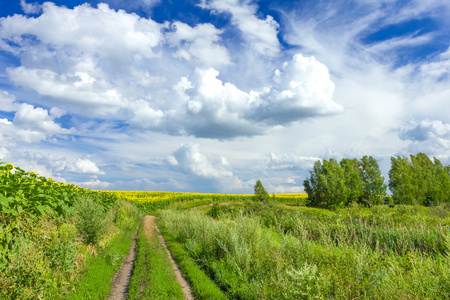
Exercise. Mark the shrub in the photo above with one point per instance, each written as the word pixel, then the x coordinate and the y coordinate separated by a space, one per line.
pixel 260 192
pixel 90 218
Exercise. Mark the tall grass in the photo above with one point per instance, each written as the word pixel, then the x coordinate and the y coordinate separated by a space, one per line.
pixel 264 252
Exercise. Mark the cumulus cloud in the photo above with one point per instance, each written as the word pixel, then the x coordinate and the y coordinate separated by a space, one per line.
pixel 190 160
pixel 30 124
pixel 430 137
pixel 126 69
pixel 101 31
pixel 291 161
pixel 38 119
pixel 77 88
pixel 56 164
pixel 30 8
pixel 260 34
pixel 7 102
pixel 95 185
pixel 84 166
pixel 301 89
pixel 199 43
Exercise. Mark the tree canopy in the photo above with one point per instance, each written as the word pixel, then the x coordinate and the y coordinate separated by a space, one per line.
pixel 334 184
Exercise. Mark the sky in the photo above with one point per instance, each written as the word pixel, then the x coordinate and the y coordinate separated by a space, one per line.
pixel 211 95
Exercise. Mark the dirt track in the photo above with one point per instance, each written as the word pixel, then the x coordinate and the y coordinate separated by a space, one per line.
pixel 123 276
pixel 122 279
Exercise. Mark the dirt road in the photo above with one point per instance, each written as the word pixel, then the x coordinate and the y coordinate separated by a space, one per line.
pixel 123 276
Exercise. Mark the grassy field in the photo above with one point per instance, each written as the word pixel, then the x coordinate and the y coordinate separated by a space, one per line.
pixel 68 242
pixel 264 251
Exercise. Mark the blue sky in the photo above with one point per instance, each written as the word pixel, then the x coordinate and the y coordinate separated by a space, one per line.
pixel 209 95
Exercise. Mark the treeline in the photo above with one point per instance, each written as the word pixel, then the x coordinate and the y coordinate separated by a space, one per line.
pixel 413 180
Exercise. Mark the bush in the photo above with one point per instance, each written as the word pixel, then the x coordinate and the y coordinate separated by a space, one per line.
pixel 91 219
pixel 260 192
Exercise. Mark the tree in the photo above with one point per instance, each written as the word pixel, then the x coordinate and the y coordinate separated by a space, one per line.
pixel 419 180
pixel 260 192
pixel 353 180
pixel 402 181
pixel 327 186
pixel 443 178
pixel 373 185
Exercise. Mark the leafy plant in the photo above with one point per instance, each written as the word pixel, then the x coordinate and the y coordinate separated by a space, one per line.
pixel 90 218
pixel 260 192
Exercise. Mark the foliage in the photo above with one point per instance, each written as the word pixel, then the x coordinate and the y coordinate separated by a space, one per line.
pixel 90 219
pixel 419 181
pixel 260 192
pixel 267 252
pixel 29 193
pixel 150 202
pixel 334 185
pixel 374 188
pixel 40 253
pixel 327 185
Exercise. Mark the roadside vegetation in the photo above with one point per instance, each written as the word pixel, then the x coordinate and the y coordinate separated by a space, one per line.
pixel 58 240
pixel 262 251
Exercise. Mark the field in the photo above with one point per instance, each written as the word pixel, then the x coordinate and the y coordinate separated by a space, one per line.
pixel 285 250
pixel 61 242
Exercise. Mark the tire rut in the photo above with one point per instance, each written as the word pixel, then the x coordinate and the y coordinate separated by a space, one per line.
pixel 181 280
pixel 121 281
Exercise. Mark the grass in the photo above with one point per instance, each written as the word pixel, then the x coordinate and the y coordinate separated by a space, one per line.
pixel 262 251
pixel 153 276
pixel 96 280
pixel 202 286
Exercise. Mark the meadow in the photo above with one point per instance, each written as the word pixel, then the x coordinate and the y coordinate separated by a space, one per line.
pixel 281 249
pixel 59 241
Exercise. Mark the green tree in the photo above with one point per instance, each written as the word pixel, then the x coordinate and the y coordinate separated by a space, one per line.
pixel 353 180
pixel 426 179
pixel 260 192
pixel 327 185
pixel 373 185
pixel 402 181
pixel 419 180
pixel 443 177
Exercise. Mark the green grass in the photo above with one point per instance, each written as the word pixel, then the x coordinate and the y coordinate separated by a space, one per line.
pixel 153 276
pixel 96 281
pixel 201 285
pixel 265 252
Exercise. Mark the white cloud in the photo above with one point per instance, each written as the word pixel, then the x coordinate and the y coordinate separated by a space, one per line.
pixel 3 152
pixel 260 34
pixel 95 185
pixel 7 102
pixel 30 8
pixel 430 137
pixel 70 89
pixel 37 119
pixel 93 31
pixel 190 160
pixel 29 124
pixel 84 166
pixel 291 161
pixel 303 90
pixel 145 117
pixel 200 43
